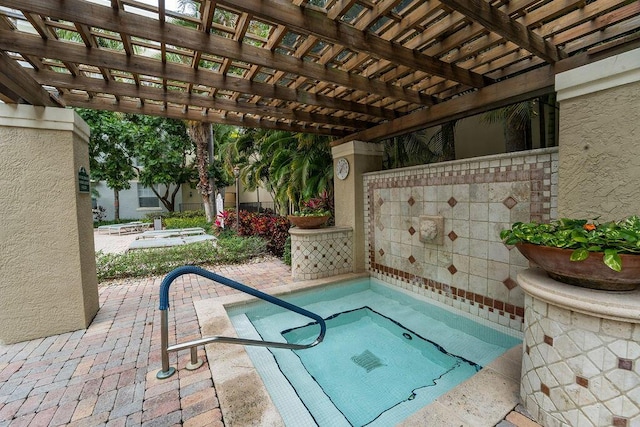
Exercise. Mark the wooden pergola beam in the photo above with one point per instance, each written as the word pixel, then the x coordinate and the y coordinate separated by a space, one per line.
pixel 120 89
pixel 179 113
pixel 516 89
pixel 309 21
pixel 22 86
pixel 500 23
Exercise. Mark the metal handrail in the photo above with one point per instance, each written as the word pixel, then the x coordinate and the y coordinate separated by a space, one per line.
pixel 167 371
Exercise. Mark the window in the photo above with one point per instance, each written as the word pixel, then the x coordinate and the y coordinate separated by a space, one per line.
pixel 146 198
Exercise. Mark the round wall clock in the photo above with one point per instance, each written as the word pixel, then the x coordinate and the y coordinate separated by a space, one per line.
pixel 342 168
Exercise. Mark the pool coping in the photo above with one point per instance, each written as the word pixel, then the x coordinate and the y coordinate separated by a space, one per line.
pixel 244 399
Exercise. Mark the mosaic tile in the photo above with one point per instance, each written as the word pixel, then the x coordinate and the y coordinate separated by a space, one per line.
pixel 625 364
pixel 598 395
pixel 619 422
pixel 510 283
pixel 469 186
pixel 322 254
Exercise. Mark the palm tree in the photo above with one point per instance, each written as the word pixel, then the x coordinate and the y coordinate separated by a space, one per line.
pixel 199 132
pixel 416 148
pixel 516 119
pixel 292 166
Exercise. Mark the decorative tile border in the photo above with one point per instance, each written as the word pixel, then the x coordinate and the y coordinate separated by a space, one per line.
pixel 477 198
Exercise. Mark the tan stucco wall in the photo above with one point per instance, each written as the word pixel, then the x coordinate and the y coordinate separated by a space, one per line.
pixel 599 167
pixel 48 282
pixel 349 202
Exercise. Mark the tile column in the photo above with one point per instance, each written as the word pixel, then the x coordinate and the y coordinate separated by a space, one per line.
pixel 362 157
pixel 48 282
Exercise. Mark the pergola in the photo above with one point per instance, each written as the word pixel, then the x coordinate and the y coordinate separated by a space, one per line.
pixel 353 69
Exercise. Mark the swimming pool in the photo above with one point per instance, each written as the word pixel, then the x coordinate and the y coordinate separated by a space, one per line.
pixel 386 354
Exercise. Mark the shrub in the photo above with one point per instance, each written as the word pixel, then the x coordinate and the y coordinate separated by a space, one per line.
pixel 286 256
pixel 185 214
pixel 186 222
pixel 273 228
pixel 147 262
pixel 187 219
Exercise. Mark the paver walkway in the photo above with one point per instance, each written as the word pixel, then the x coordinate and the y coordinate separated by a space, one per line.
pixel 105 375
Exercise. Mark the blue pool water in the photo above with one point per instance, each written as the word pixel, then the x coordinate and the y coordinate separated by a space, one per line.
pixel 386 354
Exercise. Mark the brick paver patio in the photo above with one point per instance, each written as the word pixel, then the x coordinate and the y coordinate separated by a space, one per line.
pixel 106 374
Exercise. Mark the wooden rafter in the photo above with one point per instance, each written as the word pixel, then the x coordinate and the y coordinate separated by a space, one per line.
pixel 175 112
pixel 69 82
pixel 495 96
pixel 21 86
pixel 308 21
pixel 498 22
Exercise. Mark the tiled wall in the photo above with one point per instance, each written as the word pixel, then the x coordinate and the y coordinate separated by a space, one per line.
pixel 580 370
pixel 472 270
pixel 321 253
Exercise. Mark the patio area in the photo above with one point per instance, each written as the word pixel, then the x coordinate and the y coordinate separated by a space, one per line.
pixel 361 72
pixel 106 374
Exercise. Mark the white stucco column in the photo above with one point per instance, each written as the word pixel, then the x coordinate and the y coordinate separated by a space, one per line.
pixel 362 157
pixel 599 150
pixel 48 282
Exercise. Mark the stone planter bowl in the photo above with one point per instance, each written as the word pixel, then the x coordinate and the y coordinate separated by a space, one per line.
pixel 308 221
pixel 591 273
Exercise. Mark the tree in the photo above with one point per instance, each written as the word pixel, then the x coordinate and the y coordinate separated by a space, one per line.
pixel 516 119
pixel 111 151
pixel 221 172
pixel 162 152
pixel 198 132
pixel 292 166
pixel 416 148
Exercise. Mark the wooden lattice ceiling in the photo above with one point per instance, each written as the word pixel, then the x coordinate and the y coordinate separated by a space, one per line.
pixel 364 69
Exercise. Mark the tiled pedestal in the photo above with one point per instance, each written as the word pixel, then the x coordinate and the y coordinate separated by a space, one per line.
pixel 322 252
pixel 581 354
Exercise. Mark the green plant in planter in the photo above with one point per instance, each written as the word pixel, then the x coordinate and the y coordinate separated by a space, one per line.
pixel 318 206
pixel 583 236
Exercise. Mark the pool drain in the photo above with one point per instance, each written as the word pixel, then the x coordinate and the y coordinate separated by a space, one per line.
pixel 367 360
pixel 407 336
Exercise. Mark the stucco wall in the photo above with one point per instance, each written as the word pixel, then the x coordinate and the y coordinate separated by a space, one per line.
pixel 48 281
pixel 349 205
pixel 600 139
